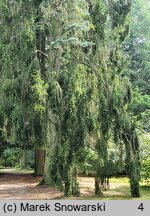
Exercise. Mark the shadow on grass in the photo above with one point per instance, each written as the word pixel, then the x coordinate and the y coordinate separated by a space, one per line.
pixel 145 187
pixel 121 192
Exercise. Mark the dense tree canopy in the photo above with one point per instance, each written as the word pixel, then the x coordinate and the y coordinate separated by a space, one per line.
pixel 65 87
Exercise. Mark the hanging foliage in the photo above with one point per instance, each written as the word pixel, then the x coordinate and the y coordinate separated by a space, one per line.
pixel 62 85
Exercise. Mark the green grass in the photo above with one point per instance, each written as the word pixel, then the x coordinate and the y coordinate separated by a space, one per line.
pixel 123 180
pixel 20 170
pixel 123 190
pixel 1 167
pixel 145 192
pixel 119 190
pixel 17 170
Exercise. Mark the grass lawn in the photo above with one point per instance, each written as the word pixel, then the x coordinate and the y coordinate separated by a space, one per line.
pixel 23 171
pixel 15 170
pixel 1 167
pixel 119 190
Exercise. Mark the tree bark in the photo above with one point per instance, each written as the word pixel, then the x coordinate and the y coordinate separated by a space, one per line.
pixel 52 141
pixel 24 159
pixel 39 161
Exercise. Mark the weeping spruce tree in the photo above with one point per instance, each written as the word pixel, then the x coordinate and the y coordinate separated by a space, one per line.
pixel 62 72
pixel 18 68
pixel 110 21
pixel 69 102
pixel 97 50
pixel 16 65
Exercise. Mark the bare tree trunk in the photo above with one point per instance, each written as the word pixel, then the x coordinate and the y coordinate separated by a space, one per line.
pixel 52 140
pixel 39 161
pixel 24 159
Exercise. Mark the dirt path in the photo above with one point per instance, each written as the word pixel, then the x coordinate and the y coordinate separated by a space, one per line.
pixel 24 186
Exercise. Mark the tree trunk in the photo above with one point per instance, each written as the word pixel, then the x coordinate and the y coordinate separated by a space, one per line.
pixel 133 163
pixel 134 174
pixel 98 190
pixel 134 183
pixel 24 160
pixel 52 141
pixel 1 162
pixel 39 161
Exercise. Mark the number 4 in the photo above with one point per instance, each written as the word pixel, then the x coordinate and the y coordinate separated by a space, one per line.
pixel 141 207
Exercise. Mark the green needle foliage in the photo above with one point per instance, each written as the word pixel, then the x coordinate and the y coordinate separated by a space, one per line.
pixel 63 87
